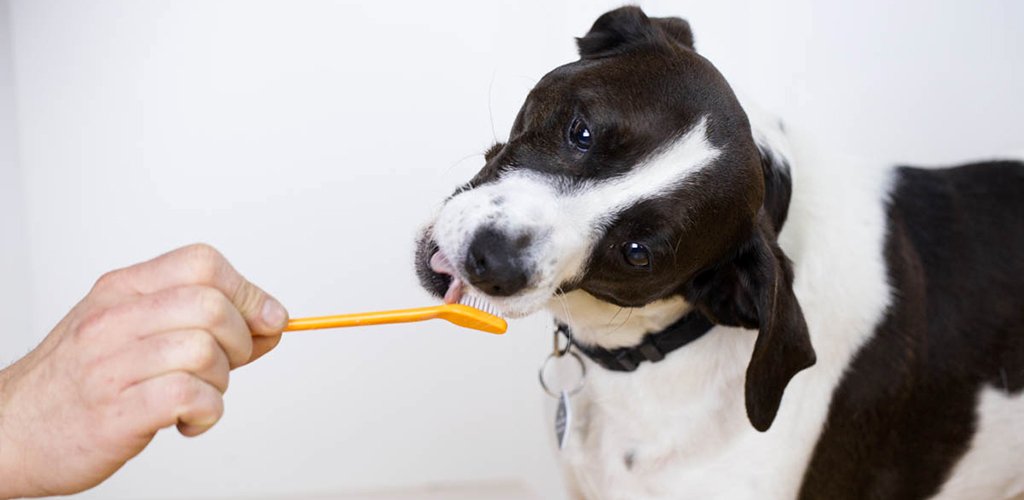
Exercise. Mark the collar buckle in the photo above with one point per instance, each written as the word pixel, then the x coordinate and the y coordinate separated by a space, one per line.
pixel 650 351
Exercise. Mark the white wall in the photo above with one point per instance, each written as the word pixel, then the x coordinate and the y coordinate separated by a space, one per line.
pixel 913 80
pixel 15 339
pixel 308 140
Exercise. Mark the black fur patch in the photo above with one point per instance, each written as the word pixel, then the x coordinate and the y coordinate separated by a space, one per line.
pixel 905 411
pixel 624 28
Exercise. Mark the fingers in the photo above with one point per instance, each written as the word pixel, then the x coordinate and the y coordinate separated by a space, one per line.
pixel 262 345
pixel 176 398
pixel 202 265
pixel 191 351
pixel 183 308
pixel 189 317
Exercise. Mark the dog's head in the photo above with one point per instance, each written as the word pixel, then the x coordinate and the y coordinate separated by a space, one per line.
pixel 631 174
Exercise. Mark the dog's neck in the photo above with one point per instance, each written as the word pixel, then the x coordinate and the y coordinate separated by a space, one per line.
pixel 600 323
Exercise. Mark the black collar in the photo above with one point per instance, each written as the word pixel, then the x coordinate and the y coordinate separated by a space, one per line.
pixel 654 346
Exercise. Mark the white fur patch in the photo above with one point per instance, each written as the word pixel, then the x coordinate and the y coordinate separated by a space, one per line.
pixel 563 224
pixel 610 326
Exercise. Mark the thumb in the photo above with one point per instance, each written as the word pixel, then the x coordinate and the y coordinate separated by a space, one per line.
pixel 263 313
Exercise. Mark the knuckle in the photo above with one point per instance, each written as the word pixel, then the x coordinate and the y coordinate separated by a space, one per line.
pixel 108 280
pixel 182 389
pixel 203 251
pixel 204 262
pixel 202 351
pixel 211 305
pixel 94 324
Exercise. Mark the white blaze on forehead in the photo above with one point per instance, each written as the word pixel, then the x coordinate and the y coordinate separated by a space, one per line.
pixel 563 222
pixel 603 200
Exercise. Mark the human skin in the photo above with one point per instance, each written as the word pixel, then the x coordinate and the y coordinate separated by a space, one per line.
pixel 150 346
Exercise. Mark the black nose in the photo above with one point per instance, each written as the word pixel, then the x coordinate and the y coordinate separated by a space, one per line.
pixel 493 264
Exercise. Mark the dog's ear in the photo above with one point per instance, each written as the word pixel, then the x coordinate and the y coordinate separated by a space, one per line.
pixel 676 28
pixel 754 289
pixel 626 27
pixel 778 186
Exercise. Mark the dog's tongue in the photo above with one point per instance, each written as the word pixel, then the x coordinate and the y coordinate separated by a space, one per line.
pixel 440 264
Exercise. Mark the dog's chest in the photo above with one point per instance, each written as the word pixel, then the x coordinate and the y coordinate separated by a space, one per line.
pixel 679 428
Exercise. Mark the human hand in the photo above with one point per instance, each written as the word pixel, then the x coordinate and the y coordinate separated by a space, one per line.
pixel 150 346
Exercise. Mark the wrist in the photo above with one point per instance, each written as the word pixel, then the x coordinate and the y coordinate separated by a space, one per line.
pixel 12 477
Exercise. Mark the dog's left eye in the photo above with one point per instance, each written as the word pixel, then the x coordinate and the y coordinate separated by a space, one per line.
pixel 579 135
pixel 637 255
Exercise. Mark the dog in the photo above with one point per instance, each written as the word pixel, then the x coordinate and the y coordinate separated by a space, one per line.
pixel 759 318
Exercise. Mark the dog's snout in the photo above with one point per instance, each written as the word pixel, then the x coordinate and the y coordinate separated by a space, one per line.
pixel 494 263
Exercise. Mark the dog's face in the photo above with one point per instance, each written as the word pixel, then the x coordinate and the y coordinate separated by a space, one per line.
pixel 630 174
pixel 625 173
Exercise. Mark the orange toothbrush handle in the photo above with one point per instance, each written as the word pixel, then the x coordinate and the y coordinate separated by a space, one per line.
pixel 363 319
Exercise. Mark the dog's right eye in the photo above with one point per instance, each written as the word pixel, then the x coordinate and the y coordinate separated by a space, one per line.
pixel 637 255
pixel 579 135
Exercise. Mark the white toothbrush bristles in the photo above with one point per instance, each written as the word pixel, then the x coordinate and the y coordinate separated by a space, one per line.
pixel 478 303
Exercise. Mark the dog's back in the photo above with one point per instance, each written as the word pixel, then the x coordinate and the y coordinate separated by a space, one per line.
pixel 941 370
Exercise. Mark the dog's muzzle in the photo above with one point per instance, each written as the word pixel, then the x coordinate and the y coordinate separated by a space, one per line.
pixel 494 264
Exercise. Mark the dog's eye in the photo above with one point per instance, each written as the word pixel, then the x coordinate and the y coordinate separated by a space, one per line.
pixel 637 255
pixel 579 135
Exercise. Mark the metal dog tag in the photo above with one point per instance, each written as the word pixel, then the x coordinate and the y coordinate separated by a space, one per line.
pixel 563 419
pixel 563 415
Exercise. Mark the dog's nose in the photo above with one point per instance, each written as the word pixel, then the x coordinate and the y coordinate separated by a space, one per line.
pixel 493 264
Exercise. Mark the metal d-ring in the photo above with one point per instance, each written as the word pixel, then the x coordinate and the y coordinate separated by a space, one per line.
pixel 555 355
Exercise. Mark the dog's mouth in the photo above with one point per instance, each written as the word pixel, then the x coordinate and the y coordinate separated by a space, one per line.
pixel 440 264
pixel 442 277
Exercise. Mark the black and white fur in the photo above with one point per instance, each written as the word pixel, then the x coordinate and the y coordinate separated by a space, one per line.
pixel 869 338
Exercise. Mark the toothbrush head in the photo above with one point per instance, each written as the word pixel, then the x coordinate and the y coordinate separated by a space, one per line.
pixel 476 313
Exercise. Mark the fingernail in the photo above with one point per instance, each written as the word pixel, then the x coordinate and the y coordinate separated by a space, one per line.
pixel 274 314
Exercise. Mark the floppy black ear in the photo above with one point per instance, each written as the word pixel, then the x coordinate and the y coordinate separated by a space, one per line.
pixel 754 289
pixel 626 27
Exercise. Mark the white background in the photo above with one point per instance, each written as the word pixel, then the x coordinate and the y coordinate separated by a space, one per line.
pixel 309 140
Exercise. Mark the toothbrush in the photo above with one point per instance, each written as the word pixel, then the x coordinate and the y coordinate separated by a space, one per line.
pixel 471 312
